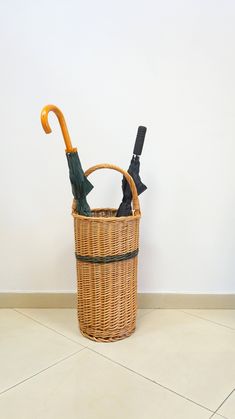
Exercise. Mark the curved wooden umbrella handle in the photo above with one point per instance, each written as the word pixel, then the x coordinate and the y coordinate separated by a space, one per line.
pixel 63 126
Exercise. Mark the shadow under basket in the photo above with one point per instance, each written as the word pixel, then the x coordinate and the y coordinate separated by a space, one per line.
pixel 106 249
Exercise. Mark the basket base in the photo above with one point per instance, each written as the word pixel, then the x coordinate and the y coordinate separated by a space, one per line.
pixel 108 339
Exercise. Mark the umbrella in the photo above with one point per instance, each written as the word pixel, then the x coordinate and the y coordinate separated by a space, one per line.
pixel 80 184
pixel 134 170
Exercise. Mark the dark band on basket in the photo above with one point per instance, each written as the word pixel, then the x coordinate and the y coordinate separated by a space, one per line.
pixel 107 259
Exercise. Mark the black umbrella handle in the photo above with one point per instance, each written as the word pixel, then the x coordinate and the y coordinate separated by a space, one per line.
pixel 139 142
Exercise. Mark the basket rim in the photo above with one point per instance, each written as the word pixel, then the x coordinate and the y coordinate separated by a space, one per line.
pixel 117 219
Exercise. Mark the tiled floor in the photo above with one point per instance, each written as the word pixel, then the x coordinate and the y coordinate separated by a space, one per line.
pixel 179 364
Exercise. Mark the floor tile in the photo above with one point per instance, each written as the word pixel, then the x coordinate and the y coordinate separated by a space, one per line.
pixel 193 357
pixel 63 321
pixel 228 408
pixel 142 312
pixel 223 317
pixel 88 386
pixel 27 347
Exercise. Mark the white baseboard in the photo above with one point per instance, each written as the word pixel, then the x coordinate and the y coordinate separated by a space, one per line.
pixel 145 300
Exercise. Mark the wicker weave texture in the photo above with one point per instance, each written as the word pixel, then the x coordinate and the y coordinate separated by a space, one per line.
pixel 107 292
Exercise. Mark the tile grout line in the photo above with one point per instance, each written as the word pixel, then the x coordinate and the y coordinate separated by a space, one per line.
pixel 48 327
pixel 41 371
pixel 150 379
pixel 207 320
pixel 221 404
pixel 217 416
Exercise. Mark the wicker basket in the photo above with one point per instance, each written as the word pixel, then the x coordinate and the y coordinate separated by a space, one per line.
pixel 106 252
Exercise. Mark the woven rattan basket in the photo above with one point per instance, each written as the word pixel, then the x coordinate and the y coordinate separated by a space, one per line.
pixel 106 255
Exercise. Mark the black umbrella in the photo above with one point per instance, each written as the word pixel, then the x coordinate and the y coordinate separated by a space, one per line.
pixel 80 184
pixel 134 170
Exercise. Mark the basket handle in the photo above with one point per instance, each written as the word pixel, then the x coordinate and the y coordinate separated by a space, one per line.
pixel 130 181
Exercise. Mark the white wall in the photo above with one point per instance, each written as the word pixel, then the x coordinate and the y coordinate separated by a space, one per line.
pixel 111 66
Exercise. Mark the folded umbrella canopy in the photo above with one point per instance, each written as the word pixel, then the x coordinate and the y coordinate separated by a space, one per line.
pixel 134 170
pixel 80 184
